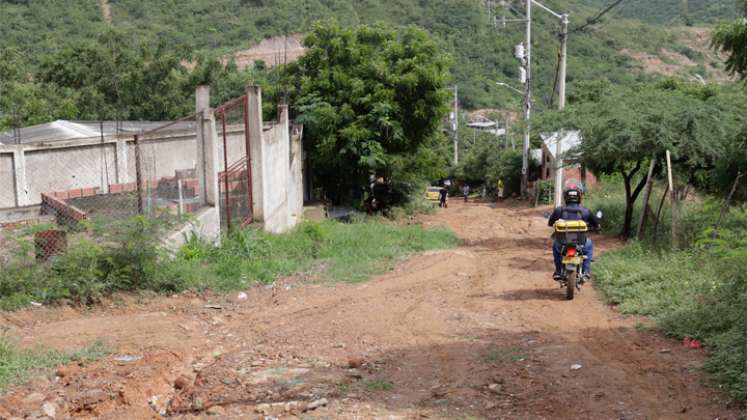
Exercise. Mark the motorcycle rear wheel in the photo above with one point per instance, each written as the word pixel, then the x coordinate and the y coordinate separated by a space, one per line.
pixel 570 287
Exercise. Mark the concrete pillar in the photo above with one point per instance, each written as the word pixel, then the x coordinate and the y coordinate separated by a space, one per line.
pixel 276 174
pixel 295 176
pixel 208 163
pixel 254 95
pixel 120 160
pixel 19 174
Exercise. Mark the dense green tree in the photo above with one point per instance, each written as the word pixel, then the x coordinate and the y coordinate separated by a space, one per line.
pixel 624 129
pixel 25 101
pixel 369 96
pixel 732 38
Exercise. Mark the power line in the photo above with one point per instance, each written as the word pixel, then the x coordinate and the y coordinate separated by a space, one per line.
pixel 598 17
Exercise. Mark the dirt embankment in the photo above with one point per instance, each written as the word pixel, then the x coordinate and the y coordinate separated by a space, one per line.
pixel 696 60
pixel 476 332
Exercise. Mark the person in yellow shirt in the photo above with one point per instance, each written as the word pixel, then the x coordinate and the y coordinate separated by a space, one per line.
pixel 500 189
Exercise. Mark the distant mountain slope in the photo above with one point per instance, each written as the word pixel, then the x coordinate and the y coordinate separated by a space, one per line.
pixel 481 52
pixel 676 11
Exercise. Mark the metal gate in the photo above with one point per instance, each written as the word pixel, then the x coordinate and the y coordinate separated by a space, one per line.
pixel 235 180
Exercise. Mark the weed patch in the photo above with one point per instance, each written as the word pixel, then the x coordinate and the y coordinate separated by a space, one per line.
pixel 17 365
pixel 503 354
pixel 379 385
pixel 130 258
pixel 694 293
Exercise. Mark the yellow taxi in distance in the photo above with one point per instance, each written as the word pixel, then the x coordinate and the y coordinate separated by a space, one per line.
pixel 433 193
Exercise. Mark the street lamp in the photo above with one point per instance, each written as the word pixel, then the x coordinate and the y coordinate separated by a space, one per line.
pixel 524 54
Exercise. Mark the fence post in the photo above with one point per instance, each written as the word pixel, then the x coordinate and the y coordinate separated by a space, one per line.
pixel 226 174
pixel 138 175
pixel 19 170
pixel 256 150
pixel 208 164
pixel 121 161
pixel 248 150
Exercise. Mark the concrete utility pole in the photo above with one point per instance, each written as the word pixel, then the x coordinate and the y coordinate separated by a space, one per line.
pixel 527 102
pixel 561 106
pixel 525 57
pixel 455 124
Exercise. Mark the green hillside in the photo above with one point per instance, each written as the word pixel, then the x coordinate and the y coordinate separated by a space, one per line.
pixel 676 11
pixel 481 53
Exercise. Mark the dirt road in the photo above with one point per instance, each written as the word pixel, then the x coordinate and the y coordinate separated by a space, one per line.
pixel 476 332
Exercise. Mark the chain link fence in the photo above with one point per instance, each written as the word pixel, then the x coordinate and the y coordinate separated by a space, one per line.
pixel 66 187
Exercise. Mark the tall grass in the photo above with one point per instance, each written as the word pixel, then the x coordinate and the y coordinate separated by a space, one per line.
pixel 699 292
pixel 131 259
pixel 334 251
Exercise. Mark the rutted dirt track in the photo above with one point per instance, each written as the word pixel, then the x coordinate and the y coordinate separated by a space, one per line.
pixel 476 332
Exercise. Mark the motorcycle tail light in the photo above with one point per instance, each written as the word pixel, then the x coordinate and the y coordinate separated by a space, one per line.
pixel 571 252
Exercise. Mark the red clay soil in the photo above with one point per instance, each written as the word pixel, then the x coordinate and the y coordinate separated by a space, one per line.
pixel 476 332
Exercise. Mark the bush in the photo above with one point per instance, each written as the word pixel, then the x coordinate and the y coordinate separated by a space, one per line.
pixel 701 292
pixel 129 257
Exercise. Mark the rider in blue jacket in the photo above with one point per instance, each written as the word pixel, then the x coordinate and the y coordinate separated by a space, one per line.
pixel 573 211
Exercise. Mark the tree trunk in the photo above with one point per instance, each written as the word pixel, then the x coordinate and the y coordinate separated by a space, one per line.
pixel 727 204
pixel 630 198
pixel 676 216
pixel 628 209
pixel 646 197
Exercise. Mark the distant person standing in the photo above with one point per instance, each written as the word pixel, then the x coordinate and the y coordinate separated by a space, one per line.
pixel 465 192
pixel 442 199
pixel 500 189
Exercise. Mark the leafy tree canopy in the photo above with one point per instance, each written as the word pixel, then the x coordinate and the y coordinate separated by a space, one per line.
pixel 732 38
pixel 623 129
pixel 369 97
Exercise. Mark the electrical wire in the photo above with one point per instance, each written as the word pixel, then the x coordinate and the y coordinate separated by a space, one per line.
pixel 597 18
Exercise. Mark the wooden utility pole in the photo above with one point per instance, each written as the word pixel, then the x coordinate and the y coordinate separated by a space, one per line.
pixel 646 197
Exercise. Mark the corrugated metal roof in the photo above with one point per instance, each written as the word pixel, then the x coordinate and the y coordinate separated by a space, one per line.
pixel 62 130
pixel 570 139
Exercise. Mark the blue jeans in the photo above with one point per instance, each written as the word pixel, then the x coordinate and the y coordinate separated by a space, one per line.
pixel 588 251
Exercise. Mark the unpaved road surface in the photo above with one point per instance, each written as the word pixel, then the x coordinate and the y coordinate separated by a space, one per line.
pixel 476 332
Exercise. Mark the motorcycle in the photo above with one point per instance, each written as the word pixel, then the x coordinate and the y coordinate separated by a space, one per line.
pixel 571 234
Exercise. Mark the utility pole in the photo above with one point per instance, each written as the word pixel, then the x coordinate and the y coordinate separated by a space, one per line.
pixel 523 52
pixel 561 106
pixel 455 124
pixel 527 102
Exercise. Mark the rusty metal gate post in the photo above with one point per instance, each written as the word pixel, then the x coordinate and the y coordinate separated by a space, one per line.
pixel 225 171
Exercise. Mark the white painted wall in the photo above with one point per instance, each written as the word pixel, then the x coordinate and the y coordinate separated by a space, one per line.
pixel 277 164
pixel 295 180
pixel 7 180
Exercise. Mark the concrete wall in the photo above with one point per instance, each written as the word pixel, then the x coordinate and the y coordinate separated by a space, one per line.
pixel 7 181
pixel 275 176
pixel 206 225
pixel 29 170
pixel 64 169
pixel 295 180
pixel 87 163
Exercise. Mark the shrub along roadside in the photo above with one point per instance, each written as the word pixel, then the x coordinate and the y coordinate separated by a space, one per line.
pixel 700 292
pixel 131 260
pixel 16 365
